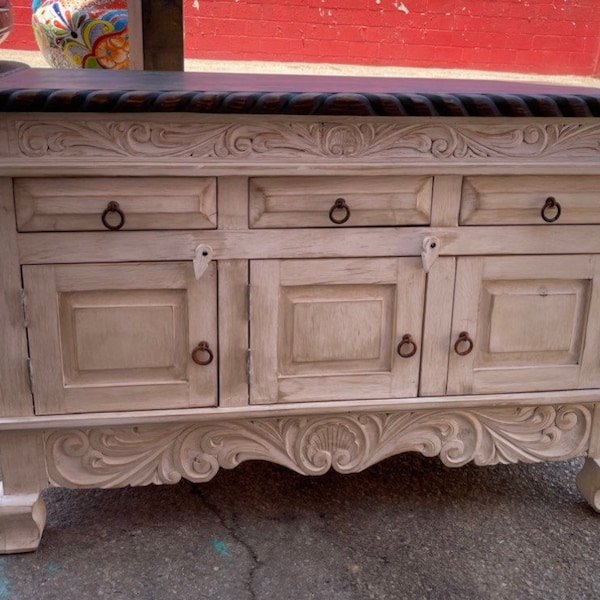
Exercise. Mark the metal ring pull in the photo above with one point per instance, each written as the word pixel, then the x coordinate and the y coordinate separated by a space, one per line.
pixel 202 348
pixel 412 346
pixel 339 204
pixel 113 207
pixel 463 338
pixel 551 204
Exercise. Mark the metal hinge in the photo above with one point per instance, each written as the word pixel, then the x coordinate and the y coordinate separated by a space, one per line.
pixel 248 301
pixel 24 309
pixel 30 375
pixel 248 350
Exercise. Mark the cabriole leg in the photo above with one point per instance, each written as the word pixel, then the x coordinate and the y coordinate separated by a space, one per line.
pixel 588 482
pixel 22 510
pixel 588 479
pixel 22 521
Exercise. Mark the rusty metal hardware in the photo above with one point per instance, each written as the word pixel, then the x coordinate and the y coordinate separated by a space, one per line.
pixel 339 204
pixel 113 207
pixel 412 346
pixel 551 204
pixel 463 338
pixel 202 348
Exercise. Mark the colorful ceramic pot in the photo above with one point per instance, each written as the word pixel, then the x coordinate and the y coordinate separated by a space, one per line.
pixel 6 19
pixel 88 34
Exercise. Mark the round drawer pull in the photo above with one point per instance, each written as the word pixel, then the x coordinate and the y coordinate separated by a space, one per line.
pixel 339 204
pixel 202 349
pixel 463 338
pixel 407 346
pixel 113 207
pixel 551 205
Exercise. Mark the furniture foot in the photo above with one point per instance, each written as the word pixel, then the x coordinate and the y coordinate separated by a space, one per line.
pixel 588 482
pixel 22 520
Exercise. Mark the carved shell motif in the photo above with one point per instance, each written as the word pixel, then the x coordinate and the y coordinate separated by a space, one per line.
pixel 115 457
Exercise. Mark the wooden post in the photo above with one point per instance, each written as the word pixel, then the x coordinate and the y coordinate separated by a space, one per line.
pixel 136 40
pixel 156 34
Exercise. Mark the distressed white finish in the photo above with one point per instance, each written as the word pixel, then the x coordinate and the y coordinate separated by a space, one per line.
pixel 120 337
pixel 506 200
pixel 279 139
pixel 529 321
pixel 77 203
pixel 22 521
pixel 329 329
pixel 282 202
pixel 307 326
pixel 115 457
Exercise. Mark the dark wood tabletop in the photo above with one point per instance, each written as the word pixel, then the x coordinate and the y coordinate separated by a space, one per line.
pixel 25 89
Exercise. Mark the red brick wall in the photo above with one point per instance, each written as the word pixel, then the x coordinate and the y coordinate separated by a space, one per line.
pixel 529 36
pixel 21 37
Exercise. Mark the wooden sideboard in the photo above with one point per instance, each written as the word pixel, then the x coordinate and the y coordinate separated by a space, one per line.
pixel 317 272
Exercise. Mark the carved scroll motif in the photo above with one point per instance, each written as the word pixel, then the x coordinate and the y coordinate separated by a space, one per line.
pixel 115 457
pixel 281 141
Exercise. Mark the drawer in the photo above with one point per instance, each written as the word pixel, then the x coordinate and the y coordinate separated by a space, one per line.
pixel 530 200
pixel 339 201
pixel 82 204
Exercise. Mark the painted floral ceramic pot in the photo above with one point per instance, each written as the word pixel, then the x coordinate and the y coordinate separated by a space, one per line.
pixel 88 34
pixel 6 19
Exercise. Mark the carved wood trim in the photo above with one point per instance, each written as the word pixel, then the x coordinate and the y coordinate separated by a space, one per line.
pixel 32 91
pixel 140 455
pixel 313 140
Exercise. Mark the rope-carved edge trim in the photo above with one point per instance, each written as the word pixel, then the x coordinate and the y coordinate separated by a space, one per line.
pixel 269 103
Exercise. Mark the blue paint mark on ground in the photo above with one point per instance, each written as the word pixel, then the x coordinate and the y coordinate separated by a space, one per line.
pixel 5 592
pixel 220 547
pixel 52 569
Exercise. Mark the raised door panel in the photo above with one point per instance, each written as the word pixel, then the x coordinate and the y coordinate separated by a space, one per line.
pixel 330 329
pixel 121 337
pixel 525 324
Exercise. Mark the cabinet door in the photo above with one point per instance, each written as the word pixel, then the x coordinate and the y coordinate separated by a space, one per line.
pixel 121 336
pixel 527 324
pixel 330 329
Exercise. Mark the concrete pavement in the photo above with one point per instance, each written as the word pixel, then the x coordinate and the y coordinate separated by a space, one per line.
pixel 408 528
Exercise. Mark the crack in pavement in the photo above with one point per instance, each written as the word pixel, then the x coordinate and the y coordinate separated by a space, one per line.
pixel 256 562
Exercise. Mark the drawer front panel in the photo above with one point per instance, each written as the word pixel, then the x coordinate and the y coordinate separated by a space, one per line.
pixel 530 200
pixel 331 329
pixel 120 337
pixel 367 201
pixel 78 204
